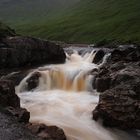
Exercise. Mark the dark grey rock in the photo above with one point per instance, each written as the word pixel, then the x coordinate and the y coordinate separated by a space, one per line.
pixel 33 81
pixel 22 51
pixel 7 94
pixel 119 105
pixel 47 132
pixel 102 84
pixel 98 56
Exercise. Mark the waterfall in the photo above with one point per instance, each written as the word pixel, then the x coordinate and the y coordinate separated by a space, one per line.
pixel 64 97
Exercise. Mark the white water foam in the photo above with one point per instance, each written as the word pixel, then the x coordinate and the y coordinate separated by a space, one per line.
pixel 64 98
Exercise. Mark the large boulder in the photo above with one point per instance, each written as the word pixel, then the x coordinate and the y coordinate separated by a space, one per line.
pixel 20 51
pixel 120 106
pixel 119 84
pixel 10 102
pixel 10 129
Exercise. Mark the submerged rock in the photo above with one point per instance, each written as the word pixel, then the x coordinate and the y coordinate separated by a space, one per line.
pixel 22 51
pixel 33 81
pixel 119 102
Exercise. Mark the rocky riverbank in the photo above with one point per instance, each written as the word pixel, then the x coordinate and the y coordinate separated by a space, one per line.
pixel 21 51
pixel 119 84
pixel 118 81
pixel 20 54
pixel 14 120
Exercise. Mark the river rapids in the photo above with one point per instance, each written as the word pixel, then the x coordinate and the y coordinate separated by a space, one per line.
pixel 65 97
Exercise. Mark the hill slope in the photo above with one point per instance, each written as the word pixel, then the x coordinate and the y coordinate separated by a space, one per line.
pixel 90 21
pixel 22 11
pixel 6 31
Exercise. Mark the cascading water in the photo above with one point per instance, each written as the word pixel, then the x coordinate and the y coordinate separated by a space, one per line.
pixel 64 97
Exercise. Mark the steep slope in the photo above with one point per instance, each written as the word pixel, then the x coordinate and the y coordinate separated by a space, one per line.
pixel 22 11
pixel 92 20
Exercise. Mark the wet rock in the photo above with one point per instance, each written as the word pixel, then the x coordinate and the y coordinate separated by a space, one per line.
pixel 119 108
pixel 126 53
pixel 22 51
pixel 98 56
pixel 117 66
pixel 15 77
pixel 134 55
pixel 103 71
pixel 47 132
pixel 116 55
pixel 128 47
pixel 102 84
pixel 33 81
pixel 119 105
pixel 121 77
pixel 21 114
pixel 10 129
pixel 7 94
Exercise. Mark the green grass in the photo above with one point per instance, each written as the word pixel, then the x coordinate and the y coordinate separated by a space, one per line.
pixel 89 21
pixel 5 30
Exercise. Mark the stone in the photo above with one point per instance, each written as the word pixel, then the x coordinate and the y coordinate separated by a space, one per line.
pixel 47 132
pixel 98 56
pixel 102 84
pixel 7 94
pixel 119 104
pixel 126 53
pixel 33 81
pixel 15 77
pixel 118 109
pixel 21 114
pixel 26 51
pixel 10 129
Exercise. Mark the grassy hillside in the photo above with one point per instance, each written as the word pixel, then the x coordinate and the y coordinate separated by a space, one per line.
pixel 5 30
pixel 24 11
pixel 90 21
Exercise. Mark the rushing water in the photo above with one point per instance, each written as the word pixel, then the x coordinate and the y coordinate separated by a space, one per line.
pixel 65 98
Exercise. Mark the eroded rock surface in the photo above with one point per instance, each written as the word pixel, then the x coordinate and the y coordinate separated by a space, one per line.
pixel 119 84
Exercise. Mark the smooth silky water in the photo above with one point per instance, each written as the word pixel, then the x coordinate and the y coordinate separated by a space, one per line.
pixel 65 98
